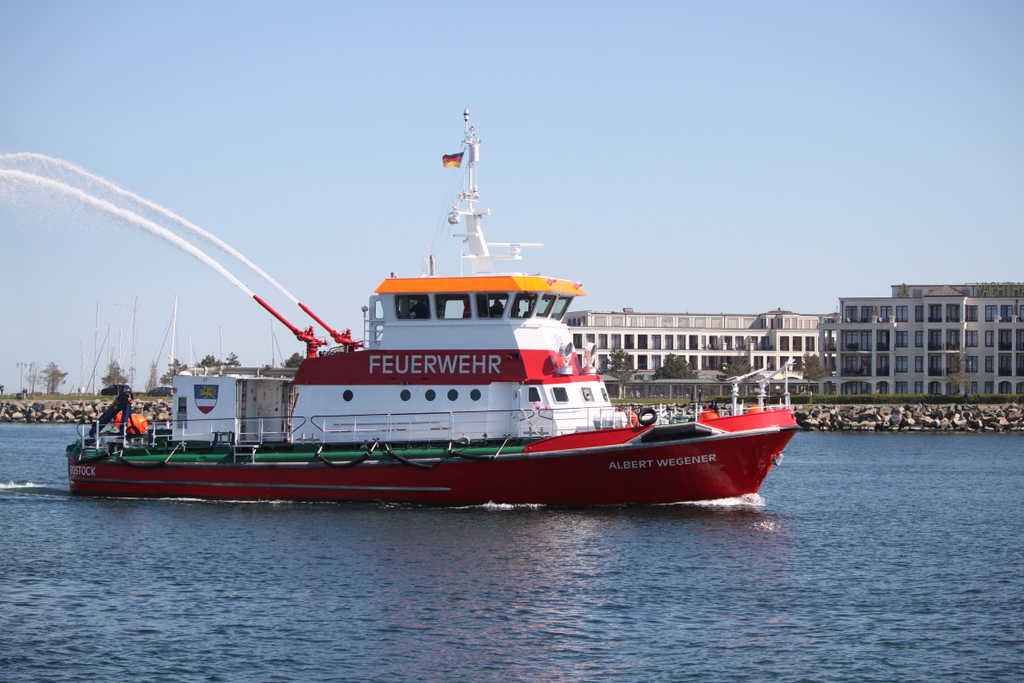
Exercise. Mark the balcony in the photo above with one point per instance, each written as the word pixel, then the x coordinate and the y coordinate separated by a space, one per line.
pixel 828 346
pixel 935 319
pixel 952 318
pixel 1005 372
pixel 935 372
pixel 1020 372
pixel 882 372
pixel 952 346
pixel 936 346
pixel 881 346
pixel 1005 346
pixel 856 372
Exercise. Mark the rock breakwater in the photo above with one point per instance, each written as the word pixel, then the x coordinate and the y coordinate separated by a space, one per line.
pixel 910 418
pixel 73 411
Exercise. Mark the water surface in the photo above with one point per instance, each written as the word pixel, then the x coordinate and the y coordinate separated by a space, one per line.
pixel 872 557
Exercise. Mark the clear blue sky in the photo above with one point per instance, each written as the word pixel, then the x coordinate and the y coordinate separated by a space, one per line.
pixel 672 156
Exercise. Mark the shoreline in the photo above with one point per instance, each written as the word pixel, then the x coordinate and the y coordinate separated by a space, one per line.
pixel 941 417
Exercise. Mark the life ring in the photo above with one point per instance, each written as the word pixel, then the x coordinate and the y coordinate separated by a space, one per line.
pixel 631 418
pixel 753 409
pixel 648 416
pixel 708 414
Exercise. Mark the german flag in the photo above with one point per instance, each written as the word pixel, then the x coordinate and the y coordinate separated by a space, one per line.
pixel 450 160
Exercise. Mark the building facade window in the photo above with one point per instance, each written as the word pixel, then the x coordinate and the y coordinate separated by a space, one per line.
pixel 629 341
pixel 972 364
pixel 616 341
pixel 971 338
pixel 902 339
pixel 901 314
pixel 989 338
pixel 918 364
pixel 919 314
pixel 919 338
pixel 901 364
pixel 990 314
pixel 901 387
pixel 990 363
pixel 885 312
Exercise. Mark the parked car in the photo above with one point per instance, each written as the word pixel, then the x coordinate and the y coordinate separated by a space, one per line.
pixel 161 391
pixel 114 389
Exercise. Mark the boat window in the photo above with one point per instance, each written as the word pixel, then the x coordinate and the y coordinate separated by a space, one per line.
pixel 588 395
pixel 604 394
pixel 560 394
pixel 523 305
pixel 475 394
pixel 491 305
pixel 378 310
pixel 533 395
pixel 412 306
pixel 452 306
pixel 561 307
pixel 405 395
pixel 429 395
pixel 545 305
pixel 453 395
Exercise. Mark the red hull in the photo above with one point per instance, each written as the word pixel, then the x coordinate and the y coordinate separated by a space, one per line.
pixel 723 466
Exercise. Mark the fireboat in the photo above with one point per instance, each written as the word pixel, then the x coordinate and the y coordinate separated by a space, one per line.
pixel 464 390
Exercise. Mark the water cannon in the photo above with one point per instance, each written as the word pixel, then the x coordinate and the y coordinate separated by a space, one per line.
pixel 342 338
pixel 306 336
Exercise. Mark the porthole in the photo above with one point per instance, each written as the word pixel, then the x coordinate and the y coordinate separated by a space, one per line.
pixel 475 394
pixel 429 395
pixel 347 395
pixel 405 395
pixel 452 395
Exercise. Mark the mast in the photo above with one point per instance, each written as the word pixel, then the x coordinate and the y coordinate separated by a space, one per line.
pixel 479 248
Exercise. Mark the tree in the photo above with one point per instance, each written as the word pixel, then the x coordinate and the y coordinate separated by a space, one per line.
pixel 209 362
pixel 151 380
pixel 232 361
pixel 675 367
pixel 173 368
pixel 53 378
pixel 115 375
pixel 959 377
pixel 32 377
pixel 620 366
pixel 737 365
pixel 812 369
pixel 293 362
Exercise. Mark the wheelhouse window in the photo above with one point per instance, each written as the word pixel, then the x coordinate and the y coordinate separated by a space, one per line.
pixel 412 306
pixel 452 306
pixel 491 305
pixel 523 305
pixel 561 306
pixel 560 394
pixel 546 303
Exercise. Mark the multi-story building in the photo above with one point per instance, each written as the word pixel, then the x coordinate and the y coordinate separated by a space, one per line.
pixel 707 341
pixel 913 341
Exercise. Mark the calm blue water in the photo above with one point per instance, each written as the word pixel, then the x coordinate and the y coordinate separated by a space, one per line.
pixel 874 557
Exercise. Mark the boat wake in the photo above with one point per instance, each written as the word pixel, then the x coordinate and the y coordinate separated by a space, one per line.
pixel 744 501
pixel 32 489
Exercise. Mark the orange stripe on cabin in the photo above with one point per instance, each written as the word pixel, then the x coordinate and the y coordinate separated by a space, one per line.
pixel 493 283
